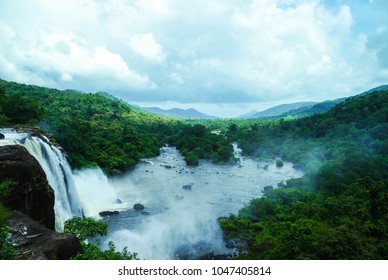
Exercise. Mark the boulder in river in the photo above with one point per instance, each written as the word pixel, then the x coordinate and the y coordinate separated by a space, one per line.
pixel 108 213
pixel 138 207
pixel 186 187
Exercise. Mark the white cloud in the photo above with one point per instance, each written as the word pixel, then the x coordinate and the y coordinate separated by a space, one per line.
pixel 147 47
pixel 66 77
pixel 69 58
pixel 196 51
pixel 300 49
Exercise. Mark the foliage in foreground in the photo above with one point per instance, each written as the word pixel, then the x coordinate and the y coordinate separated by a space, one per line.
pixel 7 251
pixel 88 231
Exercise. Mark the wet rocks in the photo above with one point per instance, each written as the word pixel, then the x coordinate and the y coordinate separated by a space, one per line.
pixel 36 242
pixel 181 170
pixel 212 256
pixel 186 187
pixel 118 201
pixel 108 213
pixel 138 207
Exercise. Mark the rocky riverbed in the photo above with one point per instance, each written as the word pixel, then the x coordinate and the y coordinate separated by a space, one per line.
pixel 181 204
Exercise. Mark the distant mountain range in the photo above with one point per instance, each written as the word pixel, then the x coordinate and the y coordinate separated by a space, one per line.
pixel 301 109
pixel 310 110
pixel 297 110
pixel 276 111
pixel 179 113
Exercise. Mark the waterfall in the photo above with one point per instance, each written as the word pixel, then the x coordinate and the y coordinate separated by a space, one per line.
pixel 237 153
pixel 58 172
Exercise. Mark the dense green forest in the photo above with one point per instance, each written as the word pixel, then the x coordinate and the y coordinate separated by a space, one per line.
pixel 338 210
pixel 98 129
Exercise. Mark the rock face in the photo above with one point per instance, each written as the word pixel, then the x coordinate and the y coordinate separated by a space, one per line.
pixel 36 242
pixel 30 193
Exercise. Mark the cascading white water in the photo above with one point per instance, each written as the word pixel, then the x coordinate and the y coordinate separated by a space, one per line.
pixel 96 192
pixel 58 172
pixel 237 153
pixel 60 178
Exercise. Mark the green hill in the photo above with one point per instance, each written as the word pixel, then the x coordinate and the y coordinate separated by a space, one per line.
pixel 99 129
pixel 338 210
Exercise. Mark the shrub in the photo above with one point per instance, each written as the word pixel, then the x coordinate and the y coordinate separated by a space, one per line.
pixel 279 163
pixel 7 251
pixel 88 231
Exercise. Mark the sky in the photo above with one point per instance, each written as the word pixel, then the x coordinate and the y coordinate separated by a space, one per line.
pixel 222 57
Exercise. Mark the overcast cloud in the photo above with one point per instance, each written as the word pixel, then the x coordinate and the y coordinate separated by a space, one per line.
pixel 224 57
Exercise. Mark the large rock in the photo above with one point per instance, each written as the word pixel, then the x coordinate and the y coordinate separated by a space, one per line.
pixel 138 207
pixel 30 193
pixel 36 242
pixel 108 213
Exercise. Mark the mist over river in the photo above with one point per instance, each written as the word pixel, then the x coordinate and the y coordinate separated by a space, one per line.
pixel 181 204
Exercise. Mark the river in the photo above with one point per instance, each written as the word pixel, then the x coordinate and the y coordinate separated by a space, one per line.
pixel 181 203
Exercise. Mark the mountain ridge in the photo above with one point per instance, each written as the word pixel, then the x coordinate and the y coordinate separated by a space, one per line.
pixel 180 113
pixel 303 109
pixel 276 110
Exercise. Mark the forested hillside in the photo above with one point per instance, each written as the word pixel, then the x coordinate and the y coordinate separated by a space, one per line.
pixel 98 129
pixel 338 210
